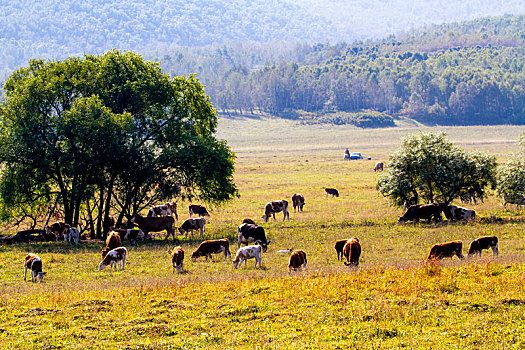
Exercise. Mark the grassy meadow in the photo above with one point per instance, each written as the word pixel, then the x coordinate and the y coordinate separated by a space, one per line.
pixel 391 301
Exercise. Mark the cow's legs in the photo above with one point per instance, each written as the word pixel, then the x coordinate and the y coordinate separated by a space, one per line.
pixel 495 251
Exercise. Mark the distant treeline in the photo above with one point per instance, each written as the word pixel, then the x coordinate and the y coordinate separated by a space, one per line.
pixel 467 73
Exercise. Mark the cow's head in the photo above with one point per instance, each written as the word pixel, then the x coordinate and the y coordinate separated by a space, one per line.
pixel 401 219
pixel 265 217
pixel 195 255
pixel 263 245
pixel 40 276
pixel 181 230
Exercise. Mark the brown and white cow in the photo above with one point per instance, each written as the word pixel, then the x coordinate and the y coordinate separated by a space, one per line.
pixel 177 259
pixel 71 234
pixel 155 224
pixel 249 252
pixel 169 208
pixel 114 257
pixel 446 250
pixel 297 260
pixel 132 235
pixel 33 263
pixel 378 166
pixel 112 241
pixel 275 207
pixel 193 224
pixel 352 252
pixel 481 243
pixel 298 202
pixel 212 246
pixel 331 191
pixel 198 210
pixel 455 213
pixel 338 246
pixel 58 228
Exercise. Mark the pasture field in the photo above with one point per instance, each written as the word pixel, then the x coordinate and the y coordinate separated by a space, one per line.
pixel 391 301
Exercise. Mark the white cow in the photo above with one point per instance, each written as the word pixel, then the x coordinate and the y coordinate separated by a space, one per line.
pixel 71 234
pixel 249 252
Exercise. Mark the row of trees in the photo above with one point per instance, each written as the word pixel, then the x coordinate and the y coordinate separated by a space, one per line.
pixel 107 134
pixel 470 73
pixel 429 168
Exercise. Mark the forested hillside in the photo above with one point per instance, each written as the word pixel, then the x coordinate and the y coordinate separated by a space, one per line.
pixel 54 29
pixel 467 73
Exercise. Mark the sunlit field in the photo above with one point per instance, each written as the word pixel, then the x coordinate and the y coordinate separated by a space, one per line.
pixel 392 300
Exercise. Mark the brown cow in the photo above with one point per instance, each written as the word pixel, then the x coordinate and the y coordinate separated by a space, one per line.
pixel 275 207
pixel 215 246
pixel 169 208
pixel 298 202
pixel 446 250
pixel 177 259
pixel 378 166
pixel 481 243
pixel 33 263
pixel 112 241
pixel 198 209
pixel 297 260
pixel 155 224
pixel 339 245
pixel 331 191
pixel 352 252
pixel 58 228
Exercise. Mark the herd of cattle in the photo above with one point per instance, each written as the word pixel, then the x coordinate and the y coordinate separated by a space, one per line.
pixel 160 218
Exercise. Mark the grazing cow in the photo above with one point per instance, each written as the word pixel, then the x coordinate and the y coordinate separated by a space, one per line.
pixel 130 234
pixel 215 246
pixel 198 210
pixel 517 199
pixel 249 252
pixel 56 228
pixel 378 166
pixel 192 224
pixel 112 241
pixel 422 211
pixel 339 245
pixel 274 207
pixel 455 213
pixel 446 250
pixel 248 221
pixel 155 224
pixel 71 234
pixel 298 202
pixel 114 257
pixel 177 259
pixel 481 243
pixel 252 233
pixel 297 259
pixel 352 252
pixel 331 191
pixel 169 208
pixel 33 263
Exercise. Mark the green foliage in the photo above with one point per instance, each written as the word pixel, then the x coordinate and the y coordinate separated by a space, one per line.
pixel 367 119
pixel 431 168
pixel 105 131
pixel 511 175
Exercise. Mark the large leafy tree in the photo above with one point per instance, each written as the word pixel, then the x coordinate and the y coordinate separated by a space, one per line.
pixel 430 168
pixel 108 132
pixel 511 176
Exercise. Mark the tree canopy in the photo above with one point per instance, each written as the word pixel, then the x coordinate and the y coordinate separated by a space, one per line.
pixel 511 175
pixel 430 168
pixel 105 134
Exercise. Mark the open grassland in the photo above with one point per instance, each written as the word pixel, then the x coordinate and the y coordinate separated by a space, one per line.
pixel 392 300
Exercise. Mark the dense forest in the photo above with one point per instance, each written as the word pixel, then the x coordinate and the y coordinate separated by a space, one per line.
pixel 466 73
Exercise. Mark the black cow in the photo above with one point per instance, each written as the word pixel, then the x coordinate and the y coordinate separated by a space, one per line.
pixel 252 233
pixel 423 211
